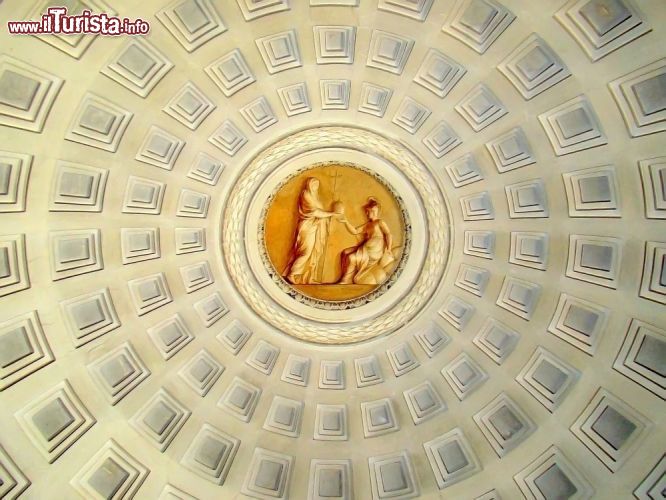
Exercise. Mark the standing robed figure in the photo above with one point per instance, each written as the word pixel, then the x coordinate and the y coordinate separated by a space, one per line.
pixel 311 236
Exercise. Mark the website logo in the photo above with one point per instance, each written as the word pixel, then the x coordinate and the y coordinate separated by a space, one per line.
pixel 56 20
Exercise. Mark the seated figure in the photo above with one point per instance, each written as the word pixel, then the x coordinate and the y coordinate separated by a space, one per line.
pixel 369 262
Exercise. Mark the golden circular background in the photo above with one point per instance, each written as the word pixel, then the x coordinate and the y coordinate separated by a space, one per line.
pixel 351 186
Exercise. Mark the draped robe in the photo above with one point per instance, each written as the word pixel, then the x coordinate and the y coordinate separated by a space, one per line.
pixel 369 262
pixel 310 242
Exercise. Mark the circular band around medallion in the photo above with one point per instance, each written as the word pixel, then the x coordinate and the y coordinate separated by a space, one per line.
pixel 397 304
pixel 355 310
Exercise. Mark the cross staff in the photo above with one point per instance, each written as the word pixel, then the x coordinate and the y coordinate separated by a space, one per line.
pixel 335 175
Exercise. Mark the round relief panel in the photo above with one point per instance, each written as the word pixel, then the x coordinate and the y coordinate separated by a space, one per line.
pixel 336 235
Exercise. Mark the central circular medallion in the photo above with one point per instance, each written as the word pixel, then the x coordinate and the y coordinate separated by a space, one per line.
pixel 335 235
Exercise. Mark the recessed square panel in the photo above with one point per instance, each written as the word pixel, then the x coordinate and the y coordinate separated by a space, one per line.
pixel 191 22
pixel 610 429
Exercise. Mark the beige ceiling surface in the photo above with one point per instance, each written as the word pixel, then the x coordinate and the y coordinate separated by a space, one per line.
pixel 130 364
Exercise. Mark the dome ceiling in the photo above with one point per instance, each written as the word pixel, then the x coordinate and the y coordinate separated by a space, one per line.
pixel 495 330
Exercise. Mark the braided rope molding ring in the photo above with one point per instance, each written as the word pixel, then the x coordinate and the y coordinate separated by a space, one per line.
pixel 438 232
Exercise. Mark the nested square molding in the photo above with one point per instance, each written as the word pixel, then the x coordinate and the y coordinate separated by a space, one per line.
pixel 138 244
pixel 464 375
pixel 296 370
pixel 143 196
pixel 334 44
pixel 402 359
pixel 533 67
pixel 89 316
pixel 27 94
pixel 189 240
pixel 604 26
pixel 253 9
pixel 413 9
pixel 653 177
pixel 480 244
pixel 75 252
pixel 110 472
pixel 72 44
pixel 15 172
pixel 595 259
pixel 378 418
pixel 98 123
pixel 640 357
pixel 392 476
pixel 211 309
pixel 189 106
pixel 432 339
pixel 651 486
pixel 504 424
pixel 610 429
pixel 389 51
pixel 170 336
pixel 206 169
pixel 439 73
pixel 579 322
pixel 424 402
pixel 14 482
pixel 573 126
pixel 593 192
pixel 201 372
pixel 228 138
pixel 138 66
pixel 374 99
pixel 55 420
pixel 234 336
pixel 160 419
pixel 547 378
pixel 192 22
pixel 441 139
pixel 240 399
pixel 230 73
pixel 77 188
pixel 496 340
pixel 295 99
pixel 149 293
pixel 331 423
pixel 553 475
pixel 263 357
pixel 284 417
pixel 159 148
pixel 280 51
pixel 13 264
pixel 641 98
pixel 118 372
pixel 478 23
pixel 24 348
pixel 480 107
pixel 259 114
pixel 451 458
pixel 332 375
pixel 511 150
pixel 330 479
pixel 268 475
pixel 368 371
pixel 211 454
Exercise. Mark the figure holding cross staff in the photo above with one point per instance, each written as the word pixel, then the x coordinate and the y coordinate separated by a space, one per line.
pixel 311 237
pixel 367 263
